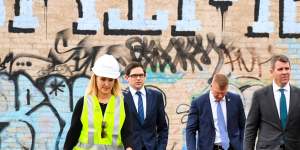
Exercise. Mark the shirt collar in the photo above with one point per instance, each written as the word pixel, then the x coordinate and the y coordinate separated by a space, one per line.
pixel 133 91
pixel 276 87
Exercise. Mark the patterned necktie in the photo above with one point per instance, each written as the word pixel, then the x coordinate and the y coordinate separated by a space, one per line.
pixel 222 127
pixel 283 109
pixel 140 107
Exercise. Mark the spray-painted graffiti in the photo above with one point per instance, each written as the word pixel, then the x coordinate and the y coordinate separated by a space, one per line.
pixel 88 22
pixel 191 50
pixel 136 19
pixel 2 13
pixel 24 20
pixel 255 60
pixel 136 24
pixel 150 53
pixel 35 102
pixel 180 52
pixel 223 5
pixel 263 26
pixel 186 23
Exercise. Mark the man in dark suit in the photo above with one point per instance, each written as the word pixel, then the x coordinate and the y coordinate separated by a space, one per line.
pixel 147 110
pixel 275 112
pixel 218 119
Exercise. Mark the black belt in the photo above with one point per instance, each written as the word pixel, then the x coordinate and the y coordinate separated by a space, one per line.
pixel 218 147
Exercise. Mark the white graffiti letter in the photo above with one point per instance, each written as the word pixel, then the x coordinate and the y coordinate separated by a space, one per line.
pixel 25 18
pixel 289 18
pixel 263 25
pixel 2 13
pixel 89 20
pixel 138 21
pixel 188 22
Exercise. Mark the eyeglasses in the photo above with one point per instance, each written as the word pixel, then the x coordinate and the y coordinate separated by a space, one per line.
pixel 103 133
pixel 137 75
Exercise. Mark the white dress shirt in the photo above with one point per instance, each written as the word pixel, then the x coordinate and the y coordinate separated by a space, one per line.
pixel 277 95
pixel 213 104
pixel 136 98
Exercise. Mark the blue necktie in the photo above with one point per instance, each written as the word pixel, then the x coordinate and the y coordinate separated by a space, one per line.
pixel 283 109
pixel 140 107
pixel 222 127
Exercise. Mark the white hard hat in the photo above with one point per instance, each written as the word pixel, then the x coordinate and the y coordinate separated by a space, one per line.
pixel 107 66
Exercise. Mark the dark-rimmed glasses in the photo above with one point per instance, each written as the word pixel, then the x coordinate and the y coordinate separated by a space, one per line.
pixel 141 75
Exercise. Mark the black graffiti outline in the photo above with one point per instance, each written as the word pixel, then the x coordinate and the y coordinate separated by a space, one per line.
pixel 13 29
pixel 223 6
pixel 254 58
pixel 32 131
pixel 55 85
pixel 149 52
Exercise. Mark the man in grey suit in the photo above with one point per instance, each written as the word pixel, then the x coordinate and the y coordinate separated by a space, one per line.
pixel 275 112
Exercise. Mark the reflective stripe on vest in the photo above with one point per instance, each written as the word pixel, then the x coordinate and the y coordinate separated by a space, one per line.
pixel 90 137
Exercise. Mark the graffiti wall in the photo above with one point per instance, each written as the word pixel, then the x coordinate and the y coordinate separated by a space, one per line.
pixel 47 49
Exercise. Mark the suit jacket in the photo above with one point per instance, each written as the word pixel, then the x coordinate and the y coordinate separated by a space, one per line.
pixel 200 119
pixel 263 117
pixel 153 133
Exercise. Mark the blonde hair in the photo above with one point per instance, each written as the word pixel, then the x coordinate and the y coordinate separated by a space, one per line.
pixel 93 90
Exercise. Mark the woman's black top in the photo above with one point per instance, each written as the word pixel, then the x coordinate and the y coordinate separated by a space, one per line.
pixel 76 126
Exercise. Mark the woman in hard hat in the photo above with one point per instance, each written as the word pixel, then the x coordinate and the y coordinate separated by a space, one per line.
pixel 101 120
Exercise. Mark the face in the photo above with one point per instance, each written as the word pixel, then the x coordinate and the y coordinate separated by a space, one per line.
pixel 281 73
pixel 217 92
pixel 104 85
pixel 136 78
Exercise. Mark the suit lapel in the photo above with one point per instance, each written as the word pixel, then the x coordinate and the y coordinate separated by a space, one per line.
pixel 149 102
pixel 208 106
pixel 273 108
pixel 131 103
pixel 293 100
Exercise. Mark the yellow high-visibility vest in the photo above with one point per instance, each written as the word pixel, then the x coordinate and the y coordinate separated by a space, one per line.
pixel 92 119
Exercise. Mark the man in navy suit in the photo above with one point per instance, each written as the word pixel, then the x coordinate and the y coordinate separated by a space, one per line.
pixel 147 109
pixel 218 119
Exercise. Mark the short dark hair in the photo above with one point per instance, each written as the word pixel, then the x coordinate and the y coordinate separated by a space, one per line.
pixel 221 80
pixel 133 65
pixel 281 58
